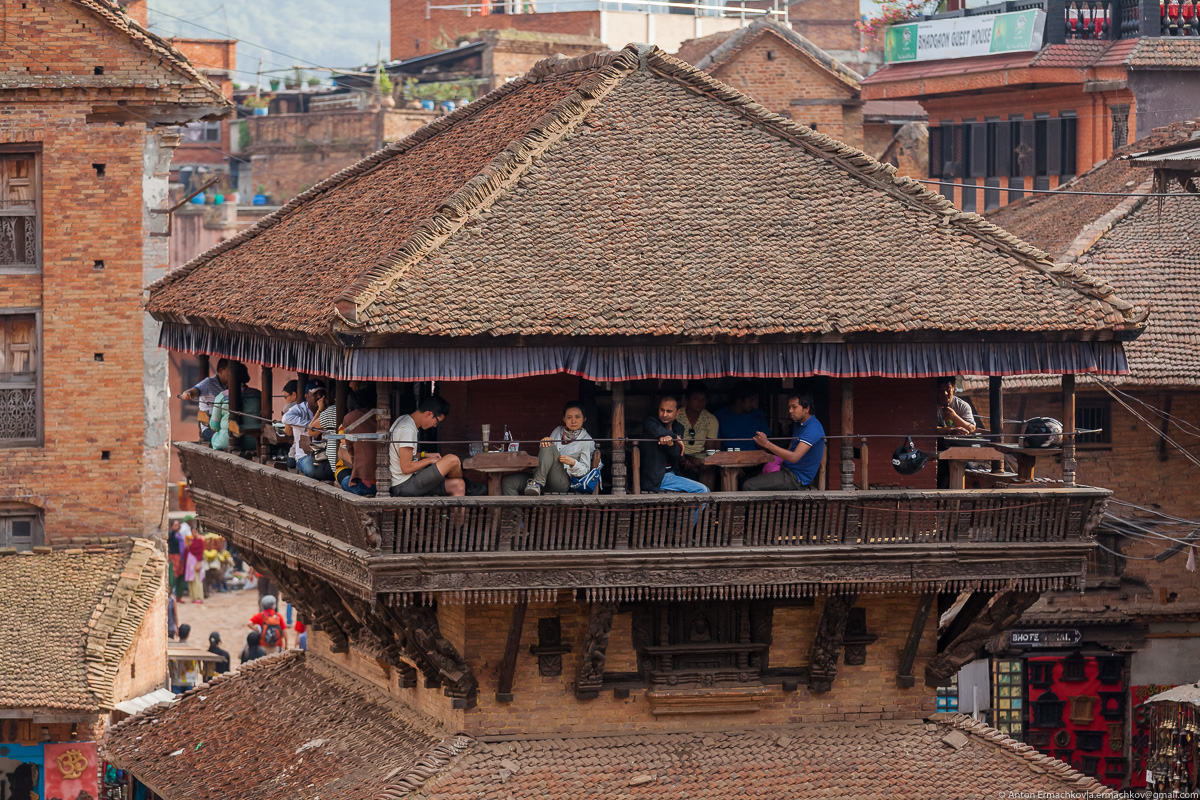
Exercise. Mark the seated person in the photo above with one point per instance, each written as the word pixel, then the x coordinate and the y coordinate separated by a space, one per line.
pixel 429 476
pixel 297 419
pixel 357 458
pixel 741 419
pixel 314 458
pixel 801 459
pixel 700 433
pixel 954 415
pixel 206 392
pixel 218 422
pixel 662 459
pixel 565 454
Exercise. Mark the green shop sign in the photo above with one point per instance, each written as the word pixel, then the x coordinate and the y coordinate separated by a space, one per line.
pixel 963 37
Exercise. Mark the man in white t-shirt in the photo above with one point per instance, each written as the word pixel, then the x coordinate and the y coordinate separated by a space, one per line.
pixel 297 419
pixel 432 475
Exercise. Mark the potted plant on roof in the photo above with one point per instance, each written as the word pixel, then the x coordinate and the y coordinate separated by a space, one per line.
pixel 259 106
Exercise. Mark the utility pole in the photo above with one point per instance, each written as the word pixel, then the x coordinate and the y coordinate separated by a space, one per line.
pixel 258 83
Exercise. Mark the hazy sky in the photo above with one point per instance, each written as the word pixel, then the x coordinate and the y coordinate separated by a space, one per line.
pixel 327 33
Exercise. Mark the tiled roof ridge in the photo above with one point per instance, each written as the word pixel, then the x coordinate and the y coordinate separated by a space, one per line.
pixel 496 177
pixel 746 36
pixel 154 43
pixel 423 134
pixel 883 176
pixel 433 762
pixel 1095 229
pixel 72 548
pixel 1052 766
pixel 115 622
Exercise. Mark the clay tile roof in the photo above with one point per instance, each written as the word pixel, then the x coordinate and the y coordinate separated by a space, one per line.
pixel 555 205
pixel 67 619
pixel 693 50
pixel 866 761
pixel 169 55
pixel 1150 257
pixel 293 725
pixel 286 726
pixel 1167 52
pixel 1075 53
pixel 736 41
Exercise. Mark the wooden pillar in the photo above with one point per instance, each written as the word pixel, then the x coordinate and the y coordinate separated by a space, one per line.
pixel 1068 423
pixel 383 452
pixel 996 414
pixel 508 666
pixel 235 399
pixel 339 398
pixel 202 362
pixel 266 383
pixel 619 474
pixel 847 431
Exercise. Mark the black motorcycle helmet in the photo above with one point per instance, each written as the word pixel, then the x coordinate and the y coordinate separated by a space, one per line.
pixel 1042 432
pixel 907 459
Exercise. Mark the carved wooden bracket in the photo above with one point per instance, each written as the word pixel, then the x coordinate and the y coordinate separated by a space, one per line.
pixel 437 654
pixel 550 647
pixel 595 651
pixel 904 673
pixel 827 646
pixel 857 638
pixel 1005 610
pixel 508 667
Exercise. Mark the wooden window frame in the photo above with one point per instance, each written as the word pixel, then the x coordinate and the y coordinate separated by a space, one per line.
pixel 36 361
pixel 35 150
pixel 1085 404
pixel 9 512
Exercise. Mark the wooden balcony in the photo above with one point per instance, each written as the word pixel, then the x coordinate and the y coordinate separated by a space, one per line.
pixel 733 544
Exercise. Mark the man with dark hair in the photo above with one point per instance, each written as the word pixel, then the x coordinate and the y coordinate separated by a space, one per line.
pixel 662 459
pixel 206 392
pixel 700 429
pixel 429 475
pixel 742 418
pixel 954 415
pixel 801 459
pixel 291 394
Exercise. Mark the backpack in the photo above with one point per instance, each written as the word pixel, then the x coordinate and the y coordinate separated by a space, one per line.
pixel 272 630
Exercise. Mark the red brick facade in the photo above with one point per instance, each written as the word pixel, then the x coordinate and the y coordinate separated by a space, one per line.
pixel 100 465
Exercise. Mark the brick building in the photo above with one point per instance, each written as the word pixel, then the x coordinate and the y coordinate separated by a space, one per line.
pixel 91 102
pixel 205 150
pixel 1142 599
pixel 1091 78
pixel 513 253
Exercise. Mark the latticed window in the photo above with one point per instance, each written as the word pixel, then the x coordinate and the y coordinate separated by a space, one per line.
pixel 18 211
pixel 19 417
pixel 1120 126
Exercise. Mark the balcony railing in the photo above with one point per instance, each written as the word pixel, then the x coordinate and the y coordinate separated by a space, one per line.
pixel 873 519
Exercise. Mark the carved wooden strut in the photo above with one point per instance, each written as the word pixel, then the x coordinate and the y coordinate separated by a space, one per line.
pixel 827 646
pixel 595 651
pixel 964 648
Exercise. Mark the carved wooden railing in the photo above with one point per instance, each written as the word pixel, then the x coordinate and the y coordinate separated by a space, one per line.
pixel 869 519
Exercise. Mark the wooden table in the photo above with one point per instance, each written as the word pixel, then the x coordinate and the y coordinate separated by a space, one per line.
pixel 958 458
pixel 497 465
pixel 1027 457
pixel 733 462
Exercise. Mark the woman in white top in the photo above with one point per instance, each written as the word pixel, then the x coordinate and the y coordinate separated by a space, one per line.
pixel 565 454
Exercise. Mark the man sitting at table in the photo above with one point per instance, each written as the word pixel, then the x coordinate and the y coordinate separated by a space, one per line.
pixel 432 475
pixel 662 458
pixel 700 433
pixel 801 459
pixel 954 415
pixel 565 454
pixel 739 420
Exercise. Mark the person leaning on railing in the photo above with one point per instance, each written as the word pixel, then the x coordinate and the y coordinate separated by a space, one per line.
pixel 662 455
pixel 563 455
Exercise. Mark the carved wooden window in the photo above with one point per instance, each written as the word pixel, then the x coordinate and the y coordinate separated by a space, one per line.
pixel 20 392
pixel 20 527
pixel 702 644
pixel 1120 126
pixel 19 201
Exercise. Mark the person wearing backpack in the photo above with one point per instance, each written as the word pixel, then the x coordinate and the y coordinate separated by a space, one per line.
pixel 272 627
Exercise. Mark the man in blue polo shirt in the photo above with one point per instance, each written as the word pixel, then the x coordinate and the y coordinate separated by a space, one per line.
pixel 802 458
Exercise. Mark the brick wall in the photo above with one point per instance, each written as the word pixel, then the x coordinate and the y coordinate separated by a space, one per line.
pixel 414 35
pixel 548 704
pixel 101 468
pixel 788 83
pixel 1133 468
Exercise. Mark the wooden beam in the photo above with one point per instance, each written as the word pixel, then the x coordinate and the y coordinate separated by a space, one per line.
pixel 620 477
pixel 508 667
pixel 996 414
pixel 266 382
pixel 847 431
pixel 904 674
pixel 975 604
pixel 827 644
pixel 1068 423
pixel 383 424
pixel 1163 428
pixel 964 648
